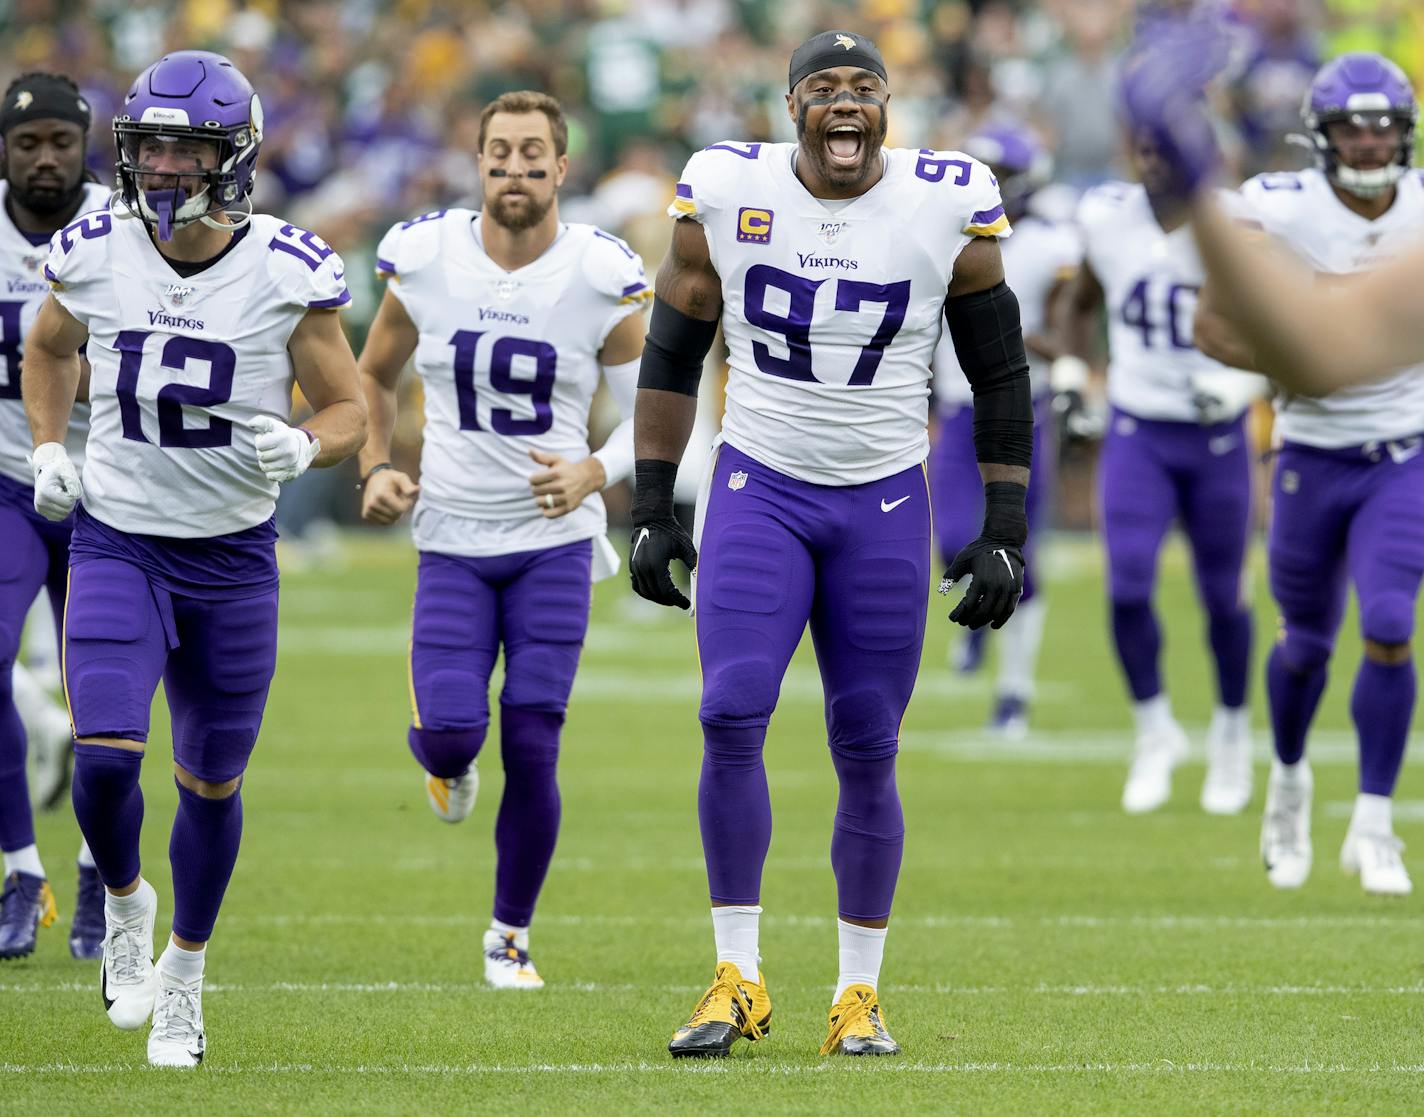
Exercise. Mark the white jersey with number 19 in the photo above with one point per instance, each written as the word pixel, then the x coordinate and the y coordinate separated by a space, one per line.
pixel 832 310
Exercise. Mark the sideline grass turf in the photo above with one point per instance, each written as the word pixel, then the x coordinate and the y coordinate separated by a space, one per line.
pixel 1048 953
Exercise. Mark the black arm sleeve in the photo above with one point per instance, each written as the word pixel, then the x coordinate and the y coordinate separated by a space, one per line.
pixel 674 350
pixel 988 340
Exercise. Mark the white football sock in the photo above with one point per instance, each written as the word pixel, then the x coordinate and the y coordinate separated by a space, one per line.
pixel 735 930
pixel 521 934
pixel 862 949
pixel 1154 715
pixel 1231 721
pixel 121 908
pixel 185 965
pixel 1374 814
pixel 86 859
pixel 1293 776
pixel 24 860
pixel 1018 648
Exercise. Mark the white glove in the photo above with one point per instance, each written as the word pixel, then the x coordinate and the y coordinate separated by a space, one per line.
pixel 283 452
pixel 57 488
pixel 1220 395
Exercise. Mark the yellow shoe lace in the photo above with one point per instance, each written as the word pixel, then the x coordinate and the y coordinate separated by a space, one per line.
pixel 717 1002
pixel 855 1019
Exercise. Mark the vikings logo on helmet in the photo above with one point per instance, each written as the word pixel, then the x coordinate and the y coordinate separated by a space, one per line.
pixel 845 41
pixel 1363 89
pixel 24 99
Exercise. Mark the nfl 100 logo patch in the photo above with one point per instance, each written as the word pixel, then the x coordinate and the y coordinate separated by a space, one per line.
pixel 754 225
pixel 738 480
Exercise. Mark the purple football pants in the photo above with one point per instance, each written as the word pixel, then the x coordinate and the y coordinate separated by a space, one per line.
pixel 536 605
pixel 123 633
pixel 1151 473
pixel 852 561
pixel 35 556
pixel 1343 517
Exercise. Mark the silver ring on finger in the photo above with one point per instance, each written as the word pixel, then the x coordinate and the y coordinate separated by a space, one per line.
pixel 548 500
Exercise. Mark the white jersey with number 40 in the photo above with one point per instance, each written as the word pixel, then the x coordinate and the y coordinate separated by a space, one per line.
pixel 832 311
pixel 21 264
pixel 1301 211
pixel 182 365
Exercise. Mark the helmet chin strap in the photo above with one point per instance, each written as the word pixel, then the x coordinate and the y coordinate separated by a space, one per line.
pixel 240 218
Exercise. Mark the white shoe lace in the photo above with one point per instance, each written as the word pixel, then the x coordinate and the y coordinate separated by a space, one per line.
pixel 1284 833
pixel 124 955
pixel 1384 851
pixel 178 1016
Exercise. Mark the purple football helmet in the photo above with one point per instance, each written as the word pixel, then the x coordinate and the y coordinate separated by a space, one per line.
pixel 1363 89
pixel 1017 158
pixel 188 98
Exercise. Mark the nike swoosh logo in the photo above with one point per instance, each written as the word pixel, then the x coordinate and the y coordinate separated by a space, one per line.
pixel 1007 563
pixel 642 536
pixel 892 505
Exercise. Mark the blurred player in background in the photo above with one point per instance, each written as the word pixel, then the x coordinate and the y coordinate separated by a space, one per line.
pixel 513 318
pixel 1176 447
pixel 1348 500
pixel 1039 260
pixel 197 316
pixel 44 123
pixel 831 263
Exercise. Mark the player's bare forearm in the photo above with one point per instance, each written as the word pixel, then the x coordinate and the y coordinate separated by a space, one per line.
pixel 52 371
pixel 1295 325
pixel 1216 335
pixel 1075 315
pixel 390 342
pixel 662 424
pixel 326 371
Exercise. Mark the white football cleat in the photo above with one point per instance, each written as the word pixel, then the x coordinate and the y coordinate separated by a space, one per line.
pixel 1285 829
pixel 177 1038
pixel 452 800
pixel 127 977
pixel 1375 856
pixel 1149 781
pixel 506 966
pixel 1227 788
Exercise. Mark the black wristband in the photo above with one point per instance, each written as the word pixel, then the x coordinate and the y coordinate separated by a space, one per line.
pixel 375 469
pixel 1005 514
pixel 653 481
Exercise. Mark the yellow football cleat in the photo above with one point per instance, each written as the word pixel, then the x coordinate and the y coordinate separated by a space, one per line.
pixel 731 1009
pixel 857 1026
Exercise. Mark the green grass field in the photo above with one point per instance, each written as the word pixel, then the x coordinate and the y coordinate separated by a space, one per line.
pixel 1048 953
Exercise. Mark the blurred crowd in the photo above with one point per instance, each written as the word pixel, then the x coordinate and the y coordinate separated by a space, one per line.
pixel 372 107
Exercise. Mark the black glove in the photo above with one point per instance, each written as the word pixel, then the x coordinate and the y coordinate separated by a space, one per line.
pixel 994 561
pixel 658 537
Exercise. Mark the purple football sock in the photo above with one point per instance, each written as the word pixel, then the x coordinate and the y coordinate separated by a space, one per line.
pixel 869 836
pixel 202 851
pixel 1382 705
pixel 734 811
pixel 527 828
pixel 1230 638
pixel 1293 697
pixel 17 822
pixel 108 804
pixel 1139 646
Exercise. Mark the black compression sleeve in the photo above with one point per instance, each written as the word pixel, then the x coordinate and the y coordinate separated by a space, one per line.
pixel 988 340
pixel 674 350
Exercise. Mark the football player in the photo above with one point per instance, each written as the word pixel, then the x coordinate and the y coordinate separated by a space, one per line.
pixel 1176 448
pixel 197 314
pixel 1348 500
pixel 513 317
pixel 44 124
pixel 1039 260
pixel 831 264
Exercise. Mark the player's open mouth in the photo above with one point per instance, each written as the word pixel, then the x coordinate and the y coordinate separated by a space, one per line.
pixel 843 142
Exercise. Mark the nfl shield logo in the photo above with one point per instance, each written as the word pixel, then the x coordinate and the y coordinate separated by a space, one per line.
pixel 737 480
pixel 830 231
pixel 177 293
pixel 506 288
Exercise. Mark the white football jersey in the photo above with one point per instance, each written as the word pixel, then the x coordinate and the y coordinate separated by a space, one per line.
pixel 182 365
pixel 1302 211
pixel 509 364
pixel 832 311
pixel 1039 255
pixel 22 272
pixel 1150 280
